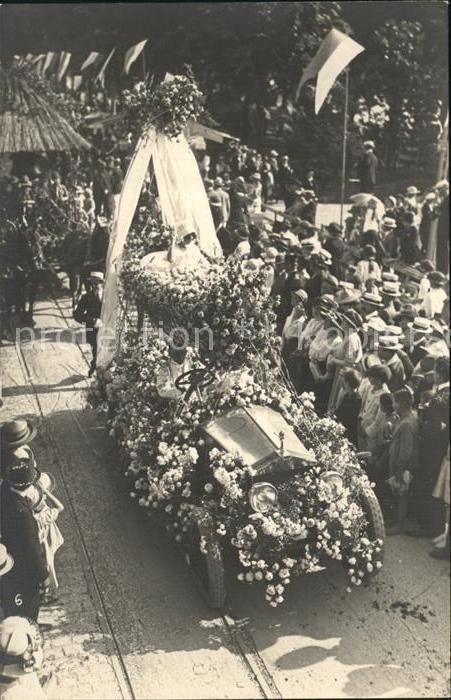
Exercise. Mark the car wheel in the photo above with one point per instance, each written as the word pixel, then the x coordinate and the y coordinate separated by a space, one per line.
pixel 375 519
pixel 207 565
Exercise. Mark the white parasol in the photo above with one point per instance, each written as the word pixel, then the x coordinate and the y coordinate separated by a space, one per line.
pixel 362 199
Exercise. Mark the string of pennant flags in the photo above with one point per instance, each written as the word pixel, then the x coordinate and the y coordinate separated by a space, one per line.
pixel 56 64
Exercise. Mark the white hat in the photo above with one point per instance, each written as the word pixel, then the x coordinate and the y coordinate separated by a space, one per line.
pixel 96 275
pixel 430 196
pixel 412 190
pixel 369 143
pixel 14 632
pixel 388 342
pixel 390 277
pixel 374 323
pixel 393 330
pixel 420 324
pixel 391 289
pixel 388 222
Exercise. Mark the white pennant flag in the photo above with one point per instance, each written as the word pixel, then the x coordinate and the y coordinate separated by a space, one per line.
pixel 132 54
pixel 335 53
pixel 76 82
pixel 90 60
pixel 101 76
pixel 64 64
pixel 48 61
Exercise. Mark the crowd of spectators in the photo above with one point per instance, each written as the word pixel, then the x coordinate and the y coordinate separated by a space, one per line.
pixel 370 343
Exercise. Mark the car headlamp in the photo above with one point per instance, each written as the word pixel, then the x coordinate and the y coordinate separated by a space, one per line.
pixel 334 481
pixel 263 497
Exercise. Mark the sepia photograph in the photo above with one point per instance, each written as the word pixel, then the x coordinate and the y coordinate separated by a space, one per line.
pixel 224 350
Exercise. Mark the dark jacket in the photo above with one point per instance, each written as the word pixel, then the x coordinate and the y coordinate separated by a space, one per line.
pixel 88 310
pixel 367 170
pixel 21 538
pixel 347 414
pixel 98 247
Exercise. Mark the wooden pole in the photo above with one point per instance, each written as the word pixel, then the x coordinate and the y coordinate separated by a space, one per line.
pixel 442 173
pixel 345 141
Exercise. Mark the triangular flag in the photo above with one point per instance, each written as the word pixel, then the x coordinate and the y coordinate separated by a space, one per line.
pixel 49 59
pixel 132 54
pixel 39 64
pixel 101 75
pixel 36 59
pixel 90 60
pixel 64 64
pixel 76 82
pixel 335 53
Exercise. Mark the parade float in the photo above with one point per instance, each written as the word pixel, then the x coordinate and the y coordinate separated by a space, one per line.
pixel 216 441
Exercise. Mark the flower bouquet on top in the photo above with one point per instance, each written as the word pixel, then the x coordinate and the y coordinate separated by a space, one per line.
pixel 169 106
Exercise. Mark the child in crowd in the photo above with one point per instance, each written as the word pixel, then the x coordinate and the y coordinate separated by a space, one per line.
pixel 378 446
pixel 378 377
pixel 46 509
pixel 349 404
pixel 403 456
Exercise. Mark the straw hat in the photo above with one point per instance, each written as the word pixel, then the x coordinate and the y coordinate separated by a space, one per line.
pixel 390 276
pixel 371 299
pixel 389 342
pixel 17 433
pixel 412 190
pixel 374 323
pixel 347 296
pixel 388 222
pixel 422 325
pixel 391 289
pixel 96 276
pixel 393 330
pixel 22 472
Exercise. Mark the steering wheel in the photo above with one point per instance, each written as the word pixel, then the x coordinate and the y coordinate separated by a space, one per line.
pixel 194 379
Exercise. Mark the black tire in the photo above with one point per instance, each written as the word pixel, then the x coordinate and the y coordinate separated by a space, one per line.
pixel 208 568
pixel 375 519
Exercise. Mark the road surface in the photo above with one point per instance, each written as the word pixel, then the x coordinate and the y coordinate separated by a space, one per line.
pixel 130 622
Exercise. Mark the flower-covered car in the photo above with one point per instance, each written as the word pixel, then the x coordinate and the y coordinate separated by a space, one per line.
pixel 262 470
pixel 229 456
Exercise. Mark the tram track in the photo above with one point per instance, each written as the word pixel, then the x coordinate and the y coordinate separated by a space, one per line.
pixel 241 640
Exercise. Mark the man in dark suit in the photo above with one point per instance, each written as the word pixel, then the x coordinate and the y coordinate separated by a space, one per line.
pixel 88 313
pixel 367 169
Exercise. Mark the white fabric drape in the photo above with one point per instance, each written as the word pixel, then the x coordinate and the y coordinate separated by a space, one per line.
pixel 184 206
pixel 123 216
pixel 183 200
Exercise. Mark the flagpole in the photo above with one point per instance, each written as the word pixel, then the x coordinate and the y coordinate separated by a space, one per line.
pixel 345 142
pixel 442 170
pixel 144 61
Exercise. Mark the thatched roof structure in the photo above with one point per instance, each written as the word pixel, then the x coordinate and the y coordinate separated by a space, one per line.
pixel 28 120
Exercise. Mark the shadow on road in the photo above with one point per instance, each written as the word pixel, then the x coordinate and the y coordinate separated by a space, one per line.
pixel 152 604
